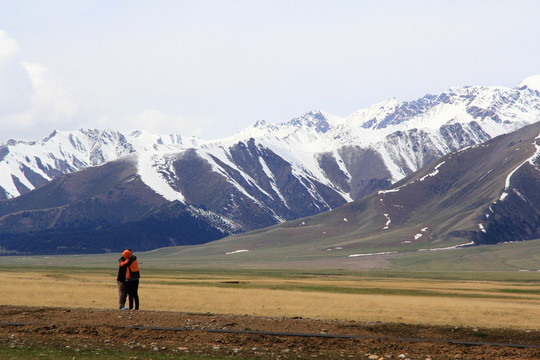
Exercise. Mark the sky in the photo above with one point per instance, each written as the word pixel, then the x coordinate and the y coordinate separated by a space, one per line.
pixel 210 68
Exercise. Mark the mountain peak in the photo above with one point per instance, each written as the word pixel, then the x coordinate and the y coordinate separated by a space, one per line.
pixel 314 119
pixel 532 82
pixel 260 124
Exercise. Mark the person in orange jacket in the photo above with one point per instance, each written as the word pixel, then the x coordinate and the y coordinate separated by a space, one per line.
pixel 132 278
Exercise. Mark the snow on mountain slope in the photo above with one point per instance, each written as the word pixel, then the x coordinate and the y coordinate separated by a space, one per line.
pixel 403 133
pixel 532 82
pixel 154 168
pixel 400 138
pixel 26 165
pixel 321 158
pixel 534 160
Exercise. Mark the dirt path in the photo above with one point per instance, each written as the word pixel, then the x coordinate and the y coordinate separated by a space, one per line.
pixel 116 329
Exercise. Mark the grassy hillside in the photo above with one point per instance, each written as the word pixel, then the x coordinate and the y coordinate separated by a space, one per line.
pixel 521 258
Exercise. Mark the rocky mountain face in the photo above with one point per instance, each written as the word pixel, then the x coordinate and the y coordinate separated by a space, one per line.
pixel 99 181
pixel 482 194
pixel 478 195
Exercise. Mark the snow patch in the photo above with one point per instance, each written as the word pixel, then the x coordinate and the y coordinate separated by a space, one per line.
pixel 373 254
pixel 236 252
pixel 334 248
pixel 416 236
pixel 433 173
pixel 388 221
pixel 450 247
pixel 383 192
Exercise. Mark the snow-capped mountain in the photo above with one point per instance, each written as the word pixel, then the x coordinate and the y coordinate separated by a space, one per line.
pixel 26 165
pixel 405 136
pixel 269 173
pixel 379 145
pixel 479 195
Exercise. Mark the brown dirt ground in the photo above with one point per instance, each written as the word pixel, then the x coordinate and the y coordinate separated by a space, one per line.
pixel 113 329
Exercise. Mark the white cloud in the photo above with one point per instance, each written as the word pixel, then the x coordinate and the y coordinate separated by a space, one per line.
pixel 32 101
pixel 15 86
pixel 50 95
pixel 8 47
pixel 222 66
pixel 35 101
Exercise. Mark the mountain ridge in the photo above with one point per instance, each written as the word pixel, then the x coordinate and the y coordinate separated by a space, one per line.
pixel 480 195
pixel 267 173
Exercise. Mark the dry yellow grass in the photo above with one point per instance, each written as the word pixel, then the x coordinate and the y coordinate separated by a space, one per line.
pixel 452 303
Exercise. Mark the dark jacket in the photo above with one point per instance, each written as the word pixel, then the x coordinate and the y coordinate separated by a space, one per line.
pixel 121 270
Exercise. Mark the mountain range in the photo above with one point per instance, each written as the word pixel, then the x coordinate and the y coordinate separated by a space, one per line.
pixel 101 190
pixel 483 194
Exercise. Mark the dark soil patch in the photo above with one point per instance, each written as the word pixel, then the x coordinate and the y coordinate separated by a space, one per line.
pixel 195 333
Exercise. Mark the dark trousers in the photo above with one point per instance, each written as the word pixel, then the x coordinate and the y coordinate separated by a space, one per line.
pixel 122 294
pixel 133 293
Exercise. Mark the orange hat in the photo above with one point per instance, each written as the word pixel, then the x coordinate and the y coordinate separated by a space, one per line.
pixel 127 254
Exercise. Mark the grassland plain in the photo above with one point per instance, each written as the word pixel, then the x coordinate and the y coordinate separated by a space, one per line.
pixel 386 301
pixel 499 300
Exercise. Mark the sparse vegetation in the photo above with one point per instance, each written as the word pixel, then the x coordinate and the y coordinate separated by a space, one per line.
pixel 480 303
pixel 22 352
pixel 464 299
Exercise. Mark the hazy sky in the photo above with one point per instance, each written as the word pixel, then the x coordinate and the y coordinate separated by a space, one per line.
pixel 211 68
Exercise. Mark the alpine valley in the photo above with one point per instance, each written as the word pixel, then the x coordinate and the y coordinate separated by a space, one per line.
pixel 454 169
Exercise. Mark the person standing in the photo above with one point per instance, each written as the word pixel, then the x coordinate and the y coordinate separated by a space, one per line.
pixel 132 278
pixel 121 280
